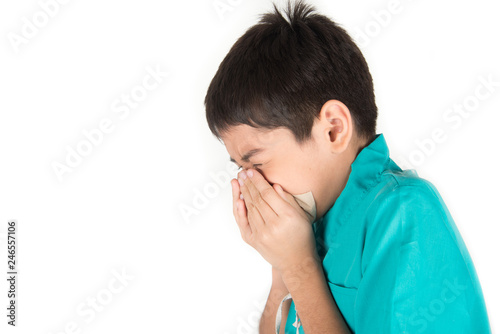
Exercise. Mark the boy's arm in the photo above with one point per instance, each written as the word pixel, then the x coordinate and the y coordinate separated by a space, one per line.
pixel 272 222
pixel 314 304
pixel 277 293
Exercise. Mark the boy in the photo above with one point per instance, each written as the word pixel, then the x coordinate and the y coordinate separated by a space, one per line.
pixel 376 251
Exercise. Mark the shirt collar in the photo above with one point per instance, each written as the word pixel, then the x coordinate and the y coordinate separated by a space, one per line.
pixel 366 171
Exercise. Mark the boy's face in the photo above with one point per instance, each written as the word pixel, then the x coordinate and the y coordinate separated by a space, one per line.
pixel 280 159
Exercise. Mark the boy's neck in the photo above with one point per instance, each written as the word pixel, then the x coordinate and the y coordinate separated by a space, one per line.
pixel 355 147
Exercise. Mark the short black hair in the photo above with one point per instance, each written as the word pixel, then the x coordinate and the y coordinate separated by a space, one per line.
pixel 281 71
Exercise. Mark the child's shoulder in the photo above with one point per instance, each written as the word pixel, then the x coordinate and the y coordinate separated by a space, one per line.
pixel 399 187
pixel 404 205
pixel 396 179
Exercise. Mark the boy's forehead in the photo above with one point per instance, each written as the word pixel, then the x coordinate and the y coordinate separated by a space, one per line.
pixel 241 140
pixel 244 135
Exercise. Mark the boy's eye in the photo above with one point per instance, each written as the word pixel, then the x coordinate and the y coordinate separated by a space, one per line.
pixel 256 166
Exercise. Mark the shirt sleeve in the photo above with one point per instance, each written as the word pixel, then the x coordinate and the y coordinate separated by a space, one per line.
pixel 417 275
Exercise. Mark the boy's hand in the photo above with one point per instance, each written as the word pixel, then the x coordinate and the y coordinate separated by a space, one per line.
pixel 272 222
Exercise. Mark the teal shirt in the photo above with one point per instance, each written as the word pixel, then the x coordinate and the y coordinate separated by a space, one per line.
pixel 393 257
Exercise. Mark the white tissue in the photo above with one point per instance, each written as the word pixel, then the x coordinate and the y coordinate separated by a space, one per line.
pixel 307 203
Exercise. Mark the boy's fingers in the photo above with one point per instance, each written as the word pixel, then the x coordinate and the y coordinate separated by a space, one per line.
pixel 259 207
pixel 254 217
pixel 235 191
pixel 242 220
pixel 240 214
pixel 271 204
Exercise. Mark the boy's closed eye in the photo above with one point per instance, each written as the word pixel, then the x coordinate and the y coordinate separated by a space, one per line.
pixel 256 166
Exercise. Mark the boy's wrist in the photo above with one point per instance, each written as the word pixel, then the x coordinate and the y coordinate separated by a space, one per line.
pixel 277 282
pixel 293 275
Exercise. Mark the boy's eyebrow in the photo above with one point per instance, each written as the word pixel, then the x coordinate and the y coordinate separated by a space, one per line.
pixel 246 157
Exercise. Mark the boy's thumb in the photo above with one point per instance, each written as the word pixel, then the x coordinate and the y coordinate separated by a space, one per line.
pixel 290 199
pixel 286 196
pixel 280 191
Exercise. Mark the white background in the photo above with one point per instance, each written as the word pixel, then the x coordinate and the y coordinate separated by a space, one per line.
pixel 120 208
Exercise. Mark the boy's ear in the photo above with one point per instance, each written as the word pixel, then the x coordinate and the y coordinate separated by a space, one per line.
pixel 337 126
